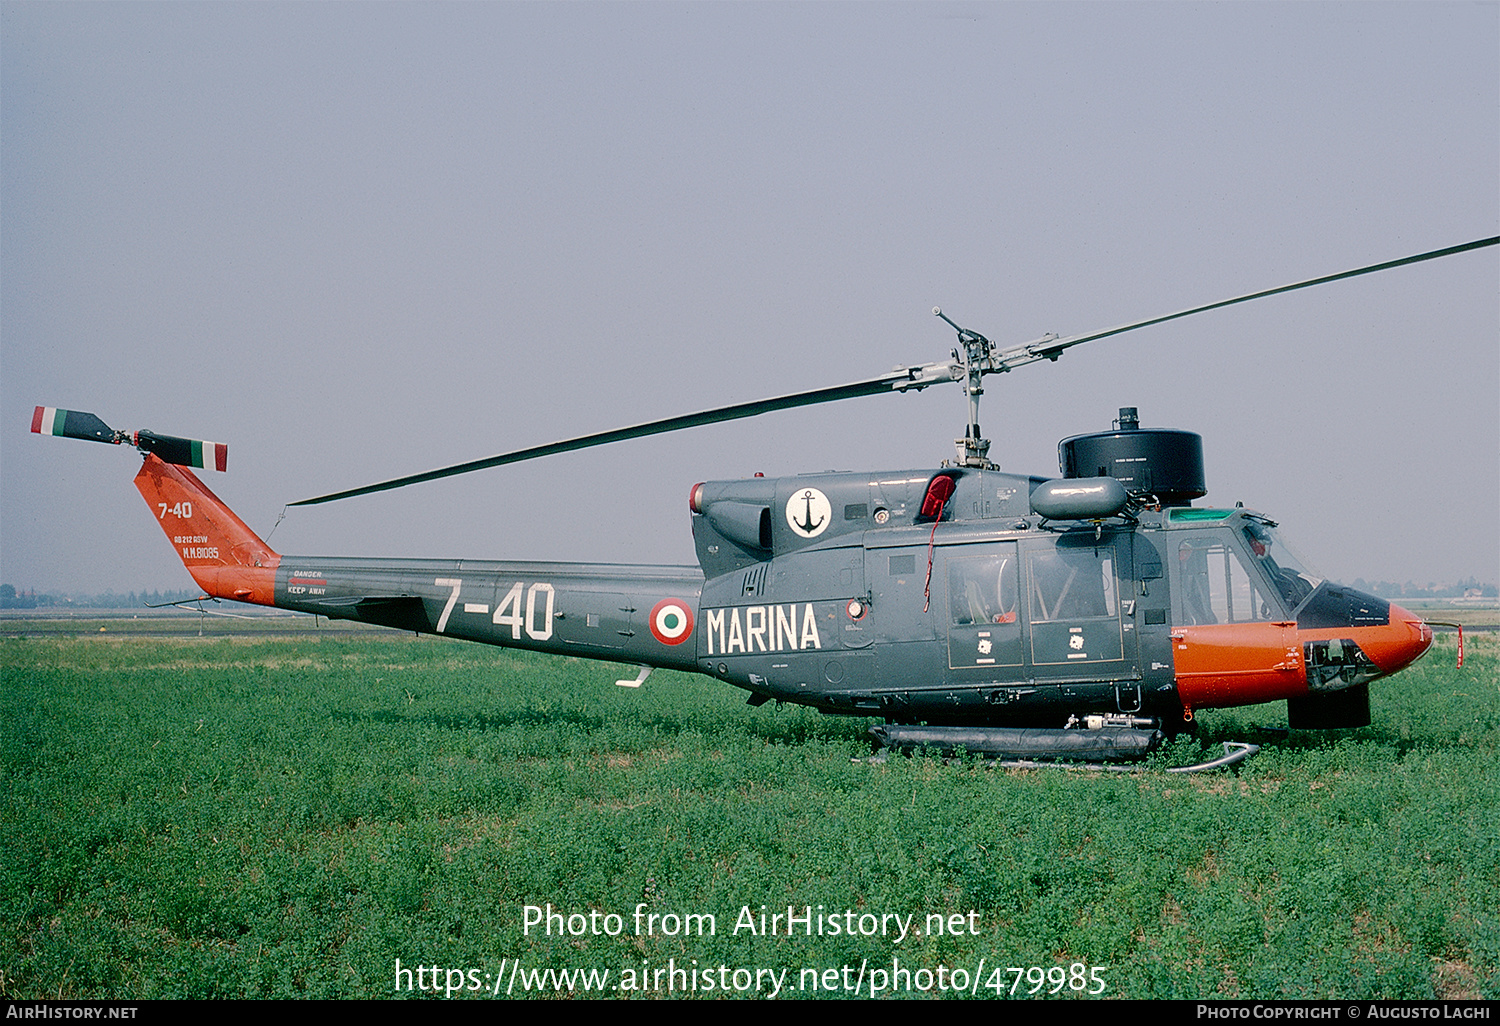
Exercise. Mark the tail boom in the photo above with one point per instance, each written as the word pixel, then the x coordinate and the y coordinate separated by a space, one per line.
pixel 631 614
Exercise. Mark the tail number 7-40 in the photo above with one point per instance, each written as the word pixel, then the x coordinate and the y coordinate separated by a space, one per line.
pixel 508 613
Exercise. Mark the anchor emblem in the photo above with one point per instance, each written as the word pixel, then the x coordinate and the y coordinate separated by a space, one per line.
pixel 808 525
pixel 807 512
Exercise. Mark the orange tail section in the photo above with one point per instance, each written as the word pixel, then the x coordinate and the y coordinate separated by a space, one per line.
pixel 224 556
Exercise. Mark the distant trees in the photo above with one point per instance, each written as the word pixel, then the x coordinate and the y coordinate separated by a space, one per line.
pixel 1470 586
pixel 10 598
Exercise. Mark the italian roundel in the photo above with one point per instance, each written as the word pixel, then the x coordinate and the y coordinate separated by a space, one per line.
pixel 671 622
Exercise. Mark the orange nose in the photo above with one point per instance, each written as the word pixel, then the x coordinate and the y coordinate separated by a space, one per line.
pixel 1400 643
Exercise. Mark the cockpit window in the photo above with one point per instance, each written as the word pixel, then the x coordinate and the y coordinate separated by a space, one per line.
pixel 1290 576
pixel 1215 586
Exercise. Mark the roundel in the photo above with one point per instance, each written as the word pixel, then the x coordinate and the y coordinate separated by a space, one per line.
pixel 808 512
pixel 671 622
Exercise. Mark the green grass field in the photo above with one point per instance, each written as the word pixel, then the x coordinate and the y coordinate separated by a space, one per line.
pixel 251 817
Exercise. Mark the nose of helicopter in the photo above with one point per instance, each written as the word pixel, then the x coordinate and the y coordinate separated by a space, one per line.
pixel 1401 643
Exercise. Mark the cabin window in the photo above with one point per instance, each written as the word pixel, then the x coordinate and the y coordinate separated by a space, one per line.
pixel 1073 582
pixel 984 589
pixel 984 598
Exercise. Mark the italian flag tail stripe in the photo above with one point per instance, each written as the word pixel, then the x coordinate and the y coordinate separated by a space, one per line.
pixel 48 420
pixel 209 455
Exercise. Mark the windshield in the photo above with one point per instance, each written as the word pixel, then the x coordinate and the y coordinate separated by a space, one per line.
pixel 1285 569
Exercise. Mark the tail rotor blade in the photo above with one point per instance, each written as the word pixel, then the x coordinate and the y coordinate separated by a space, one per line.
pixel 49 420
pixel 185 452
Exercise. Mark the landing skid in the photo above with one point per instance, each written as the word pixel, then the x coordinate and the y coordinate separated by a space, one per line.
pixel 1235 752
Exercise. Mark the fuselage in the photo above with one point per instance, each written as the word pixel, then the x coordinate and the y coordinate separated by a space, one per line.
pixel 919 596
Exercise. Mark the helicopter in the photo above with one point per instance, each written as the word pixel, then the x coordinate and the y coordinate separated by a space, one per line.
pixel 1083 617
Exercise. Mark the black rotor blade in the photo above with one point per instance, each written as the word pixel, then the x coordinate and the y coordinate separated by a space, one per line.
pixel 185 452
pixel 886 383
pixel 49 420
pixel 902 379
pixel 1050 350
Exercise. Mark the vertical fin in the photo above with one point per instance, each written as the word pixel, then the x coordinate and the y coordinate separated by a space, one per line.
pixel 225 557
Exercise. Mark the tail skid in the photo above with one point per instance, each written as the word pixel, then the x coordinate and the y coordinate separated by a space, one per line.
pixel 225 557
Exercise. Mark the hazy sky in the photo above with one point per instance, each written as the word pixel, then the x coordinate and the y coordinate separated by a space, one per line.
pixel 355 241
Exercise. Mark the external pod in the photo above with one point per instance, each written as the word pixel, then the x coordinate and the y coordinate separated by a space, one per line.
pixel 1090 498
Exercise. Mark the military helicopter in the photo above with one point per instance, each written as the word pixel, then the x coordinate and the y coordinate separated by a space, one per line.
pixel 1020 617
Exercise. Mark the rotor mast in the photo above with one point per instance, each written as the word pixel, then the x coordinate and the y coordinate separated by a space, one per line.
pixel 973 358
pixel 971 354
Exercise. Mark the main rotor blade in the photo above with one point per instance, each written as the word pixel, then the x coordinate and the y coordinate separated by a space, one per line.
pixel 1049 349
pixel 899 380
